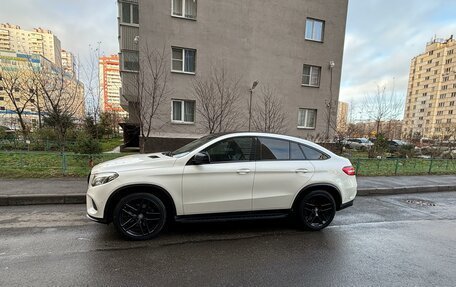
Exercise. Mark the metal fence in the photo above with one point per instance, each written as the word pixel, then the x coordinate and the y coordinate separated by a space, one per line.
pixel 35 145
pixel 400 166
pixel 47 164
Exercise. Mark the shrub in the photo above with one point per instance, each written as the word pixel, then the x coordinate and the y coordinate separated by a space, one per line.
pixel 86 145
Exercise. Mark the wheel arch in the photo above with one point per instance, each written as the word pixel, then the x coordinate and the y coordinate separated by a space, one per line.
pixel 332 189
pixel 158 191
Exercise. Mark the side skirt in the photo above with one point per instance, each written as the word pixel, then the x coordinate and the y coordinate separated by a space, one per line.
pixel 232 216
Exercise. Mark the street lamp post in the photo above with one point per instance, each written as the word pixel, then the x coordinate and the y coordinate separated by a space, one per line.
pixel 255 84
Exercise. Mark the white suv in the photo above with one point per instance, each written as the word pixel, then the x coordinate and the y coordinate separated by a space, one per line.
pixel 222 177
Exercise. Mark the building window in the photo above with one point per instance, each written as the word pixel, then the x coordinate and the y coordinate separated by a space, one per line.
pixel 184 60
pixel 2 108
pixel 315 30
pixel 184 8
pixel 2 98
pixel 307 118
pixel 129 13
pixel 130 61
pixel 183 111
pixel 311 76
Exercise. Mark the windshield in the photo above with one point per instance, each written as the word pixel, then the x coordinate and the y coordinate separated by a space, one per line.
pixel 183 151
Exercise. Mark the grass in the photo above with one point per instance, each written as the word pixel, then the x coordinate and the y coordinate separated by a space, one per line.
pixel 391 167
pixel 48 164
pixel 110 144
pixel 44 165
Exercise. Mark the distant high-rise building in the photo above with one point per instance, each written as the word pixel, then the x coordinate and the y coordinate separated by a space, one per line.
pixel 431 97
pixel 110 85
pixel 342 117
pixel 38 41
pixel 68 62
pixel 18 92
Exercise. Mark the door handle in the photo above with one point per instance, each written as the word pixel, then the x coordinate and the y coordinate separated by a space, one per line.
pixel 302 170
pixel 243 171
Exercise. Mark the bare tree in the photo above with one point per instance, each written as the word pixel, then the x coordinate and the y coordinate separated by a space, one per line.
pixel 268 114
pixel 382 106
pixel 91 77
pixel 14 83
pixel 152 87
pixel 218 98
pixel 63 97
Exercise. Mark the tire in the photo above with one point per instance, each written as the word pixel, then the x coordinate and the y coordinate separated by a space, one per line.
pixel 316 210
pixel 139 216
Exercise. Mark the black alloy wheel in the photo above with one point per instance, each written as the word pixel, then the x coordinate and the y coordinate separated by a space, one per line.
pixel 139 216
pixel 317 210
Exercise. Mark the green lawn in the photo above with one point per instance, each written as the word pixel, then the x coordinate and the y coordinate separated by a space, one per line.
pixel 110 144
pixel 386 167
pixel 40 164
pixel 47 164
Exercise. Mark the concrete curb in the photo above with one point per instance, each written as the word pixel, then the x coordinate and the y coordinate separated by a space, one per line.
pixel 405 190
pixel 41 199
pixel 80 198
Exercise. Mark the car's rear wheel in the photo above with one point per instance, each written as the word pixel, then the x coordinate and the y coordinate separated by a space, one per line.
pixel 139 216
pixel 316 210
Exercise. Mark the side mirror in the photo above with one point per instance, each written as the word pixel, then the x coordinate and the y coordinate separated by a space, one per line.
pixel 201 158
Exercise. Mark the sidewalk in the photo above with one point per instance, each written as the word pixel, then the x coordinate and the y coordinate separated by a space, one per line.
pixel 72 190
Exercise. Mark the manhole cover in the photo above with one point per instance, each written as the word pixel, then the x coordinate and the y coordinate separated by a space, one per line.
pixel 420 202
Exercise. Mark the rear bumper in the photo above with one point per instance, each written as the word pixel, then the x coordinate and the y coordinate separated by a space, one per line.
pixel 347 204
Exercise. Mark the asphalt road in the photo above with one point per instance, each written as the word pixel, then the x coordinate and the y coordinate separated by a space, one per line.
pixel 381 241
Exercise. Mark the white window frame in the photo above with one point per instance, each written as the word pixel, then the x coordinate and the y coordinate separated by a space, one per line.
pixel 313 20
pixel 183 61
pixel 183 103
pixel 305 126
pixel 131 14
pixel 183 10
pixel 310 76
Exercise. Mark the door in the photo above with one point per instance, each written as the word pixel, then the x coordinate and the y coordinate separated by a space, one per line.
pixel 281 171
pixel 223 185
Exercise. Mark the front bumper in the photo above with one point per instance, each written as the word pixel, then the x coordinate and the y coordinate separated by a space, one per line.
pixel 98 220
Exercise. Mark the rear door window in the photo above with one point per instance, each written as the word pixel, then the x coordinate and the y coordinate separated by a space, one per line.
pixel 273 149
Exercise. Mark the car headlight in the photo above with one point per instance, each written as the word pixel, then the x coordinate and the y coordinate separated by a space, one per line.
pixel 103 178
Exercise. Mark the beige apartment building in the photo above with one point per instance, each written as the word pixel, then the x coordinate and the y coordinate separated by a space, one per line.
pixel 431 97
pixel 16 89
pixel 38 41
pixel 342 117
pixel 294 47
pixel 68 62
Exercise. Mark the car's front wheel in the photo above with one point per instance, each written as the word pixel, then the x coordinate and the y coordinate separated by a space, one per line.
pixel 139 216
pixel 316 210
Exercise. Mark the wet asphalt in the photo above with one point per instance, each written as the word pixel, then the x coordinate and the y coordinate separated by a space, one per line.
pixel 403 240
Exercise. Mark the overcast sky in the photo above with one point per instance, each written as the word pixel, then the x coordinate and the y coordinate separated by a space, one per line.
pixel 382 35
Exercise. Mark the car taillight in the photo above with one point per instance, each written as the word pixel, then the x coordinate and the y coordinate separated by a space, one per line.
pixel 349 170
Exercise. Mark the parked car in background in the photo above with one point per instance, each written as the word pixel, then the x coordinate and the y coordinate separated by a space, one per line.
pixel 396 145
pixel 358 143
pixel 222 177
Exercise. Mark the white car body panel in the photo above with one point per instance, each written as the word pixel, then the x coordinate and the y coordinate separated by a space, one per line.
pixel 276 183
pixel 215 188
pixel 222 187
